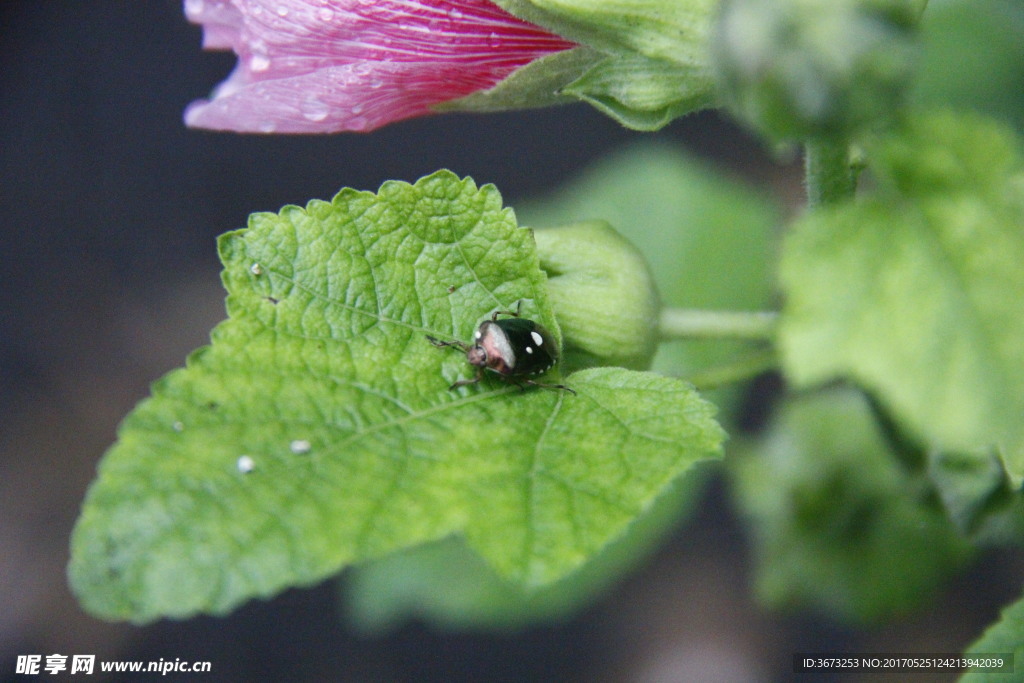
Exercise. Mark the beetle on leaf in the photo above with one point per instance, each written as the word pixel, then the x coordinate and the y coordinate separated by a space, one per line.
pixel 514 348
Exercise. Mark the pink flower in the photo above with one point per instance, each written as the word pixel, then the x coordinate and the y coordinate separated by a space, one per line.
pixel 321 66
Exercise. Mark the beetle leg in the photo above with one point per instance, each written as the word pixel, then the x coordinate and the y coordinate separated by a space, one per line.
pixel 464 382
pixel 519 305
pixel 454 344
pixel 548 386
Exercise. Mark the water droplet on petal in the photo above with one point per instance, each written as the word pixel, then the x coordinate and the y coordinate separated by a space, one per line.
pixel 314 109
pixel 259 61
pixel 246 464
pixel 194 8
pixel 325 14
pixel 282 11
pixel 300 446
pixel 267 126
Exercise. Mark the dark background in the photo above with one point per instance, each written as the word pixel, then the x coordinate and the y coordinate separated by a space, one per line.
pixel 110 209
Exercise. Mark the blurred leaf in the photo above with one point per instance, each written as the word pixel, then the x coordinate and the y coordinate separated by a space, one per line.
pixel 1005 636
pixel 837 524
pixel 973 57
pixel 914 292
pixel 318 429
pixel 823 69
pixel 708 240
pixel 978 496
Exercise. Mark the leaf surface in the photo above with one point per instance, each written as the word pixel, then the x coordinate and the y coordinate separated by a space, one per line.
pixel 916 293
pixel 318 430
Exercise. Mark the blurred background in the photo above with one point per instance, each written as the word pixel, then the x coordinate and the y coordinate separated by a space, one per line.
pixel 111 209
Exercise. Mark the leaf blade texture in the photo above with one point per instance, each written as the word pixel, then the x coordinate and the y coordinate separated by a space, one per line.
pixel 318 430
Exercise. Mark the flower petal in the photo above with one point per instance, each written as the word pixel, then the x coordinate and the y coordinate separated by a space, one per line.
pixel 332 65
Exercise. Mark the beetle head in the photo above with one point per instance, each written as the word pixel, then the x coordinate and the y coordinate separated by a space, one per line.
pixel 477 356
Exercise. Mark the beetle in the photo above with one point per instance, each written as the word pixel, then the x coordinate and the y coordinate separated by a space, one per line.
pixel 514 348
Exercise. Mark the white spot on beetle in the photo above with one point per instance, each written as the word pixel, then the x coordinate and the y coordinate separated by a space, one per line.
pixel 529 349
pixel 537 339
pixel 246 464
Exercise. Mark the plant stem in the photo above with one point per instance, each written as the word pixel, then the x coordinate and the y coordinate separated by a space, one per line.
pixel 688 323
pixel 827 171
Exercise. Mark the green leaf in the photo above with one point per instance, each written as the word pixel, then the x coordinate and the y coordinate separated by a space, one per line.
pixel 837 524
pixel 318 429
pixel 451 586
pixel 1005 637
pixel 692 225
pixel 978 496
pixel 973 57
pixel 915 292
pixel 657 63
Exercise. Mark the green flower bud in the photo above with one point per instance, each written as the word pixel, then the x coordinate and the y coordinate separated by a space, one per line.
pixel 799 69
pixel 603 295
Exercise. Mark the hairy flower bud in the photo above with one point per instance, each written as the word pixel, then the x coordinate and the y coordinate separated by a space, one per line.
pixel 603 295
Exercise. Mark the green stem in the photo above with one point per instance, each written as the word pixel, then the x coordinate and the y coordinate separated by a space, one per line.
pixel 828 174
pixel 688 323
